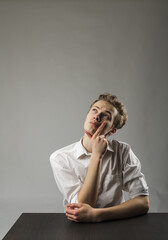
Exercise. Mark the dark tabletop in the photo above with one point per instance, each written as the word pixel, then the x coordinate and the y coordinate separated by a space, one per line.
pixel 55 226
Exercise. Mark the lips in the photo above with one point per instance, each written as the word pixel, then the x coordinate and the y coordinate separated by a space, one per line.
pixel 95 124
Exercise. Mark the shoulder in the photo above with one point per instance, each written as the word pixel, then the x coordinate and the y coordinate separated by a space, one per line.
pixel 119 146
pixel 62 153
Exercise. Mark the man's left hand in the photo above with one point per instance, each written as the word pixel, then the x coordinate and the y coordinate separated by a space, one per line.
pixel 80 212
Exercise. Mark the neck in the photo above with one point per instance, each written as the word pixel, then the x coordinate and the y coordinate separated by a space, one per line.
pixel 86 143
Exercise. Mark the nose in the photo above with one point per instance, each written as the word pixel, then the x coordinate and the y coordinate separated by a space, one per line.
pixel 98 118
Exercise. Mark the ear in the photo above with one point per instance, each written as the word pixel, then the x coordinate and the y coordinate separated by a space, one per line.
pixel 113 131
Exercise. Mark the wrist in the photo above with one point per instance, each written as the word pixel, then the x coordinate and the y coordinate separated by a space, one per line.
pixel 97 214
pixel 97 155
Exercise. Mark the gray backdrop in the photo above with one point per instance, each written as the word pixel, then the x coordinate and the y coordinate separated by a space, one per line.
pixel 56 57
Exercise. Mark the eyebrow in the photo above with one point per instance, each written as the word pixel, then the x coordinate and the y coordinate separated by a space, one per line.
pixel 105 111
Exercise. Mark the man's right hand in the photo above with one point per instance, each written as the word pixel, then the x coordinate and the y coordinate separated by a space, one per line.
pixel 98 142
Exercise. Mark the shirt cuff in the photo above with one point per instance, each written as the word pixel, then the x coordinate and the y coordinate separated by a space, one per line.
pixel 142 192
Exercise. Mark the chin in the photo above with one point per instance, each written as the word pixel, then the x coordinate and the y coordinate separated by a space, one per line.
pixel 89 130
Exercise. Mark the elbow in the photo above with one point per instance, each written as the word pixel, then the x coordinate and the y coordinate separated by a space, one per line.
pixel 145 209
pixel 145 204
pixel 142 206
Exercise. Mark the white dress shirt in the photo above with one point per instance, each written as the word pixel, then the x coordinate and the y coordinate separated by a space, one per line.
pixel 120 171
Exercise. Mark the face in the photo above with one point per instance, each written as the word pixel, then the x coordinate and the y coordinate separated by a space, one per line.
pixel 99 112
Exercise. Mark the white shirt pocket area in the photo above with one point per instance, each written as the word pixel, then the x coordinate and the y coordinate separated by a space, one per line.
pixel 133 180
pixel 67 181
pixel 110 192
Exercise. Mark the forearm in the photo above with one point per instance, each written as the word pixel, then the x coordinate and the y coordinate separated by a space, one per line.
pixel 130 208
pixel 89 191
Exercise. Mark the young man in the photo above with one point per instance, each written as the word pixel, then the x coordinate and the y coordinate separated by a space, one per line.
pixel 93 174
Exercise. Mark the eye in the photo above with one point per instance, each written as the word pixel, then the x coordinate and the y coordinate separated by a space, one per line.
pixel 107 117
pixel 94 109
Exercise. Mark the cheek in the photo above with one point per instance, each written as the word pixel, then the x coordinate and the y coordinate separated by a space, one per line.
pixel 86 120
pixel 108 126
pixel 89 116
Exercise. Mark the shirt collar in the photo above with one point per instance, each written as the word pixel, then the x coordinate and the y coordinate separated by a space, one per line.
pixel 81 151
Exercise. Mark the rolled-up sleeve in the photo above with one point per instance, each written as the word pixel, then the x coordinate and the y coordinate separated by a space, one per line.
pixel 133 179
pixel 67 181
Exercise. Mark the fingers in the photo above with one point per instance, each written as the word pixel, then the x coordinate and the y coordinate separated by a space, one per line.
pixel 72 217
pixel 101 136
pixel 89 135
pixel 72 211
pixel 100 129
pixel 73 208
pixel 74 205
pixel 102 139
